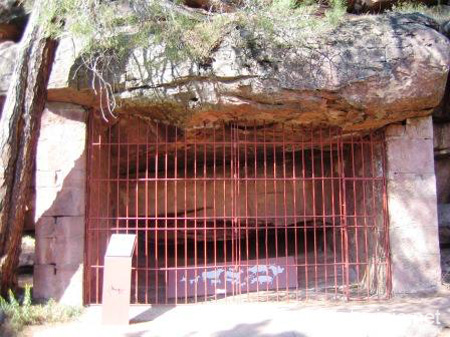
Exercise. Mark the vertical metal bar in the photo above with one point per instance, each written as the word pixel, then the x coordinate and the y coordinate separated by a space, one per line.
pixel 344 219
pixel 108 232
pixel 137 223
pixel 185 218
pixel 373 214
pixel 313 179
pixel 294 188
pixel 205 280
pixel 176 215
pixel 266 242
pixel 233 262
pixel 166 192
pixel 322 181
pixel 225 222
pixel 276 205
pixel 156 215
pixel 305 228
pixel 366 240
pixel 234 203
pixel 341 200
pixel 232 194
pixel 387 253
pixel 333 210
pixel 215 213
pixel 340 208
pixel 256 209
pixel 127 179
pixel 238 210
pixel 246 211
pixel 286 242
pixel 99 168
pixel 195 221
pixel 119 140
pixel 147 215
pixel 355 217
pixel 89 224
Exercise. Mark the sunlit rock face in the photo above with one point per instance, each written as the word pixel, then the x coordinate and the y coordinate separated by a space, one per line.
pixel 367 72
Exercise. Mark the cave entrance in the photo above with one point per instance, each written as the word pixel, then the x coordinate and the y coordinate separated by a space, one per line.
pixel 239 211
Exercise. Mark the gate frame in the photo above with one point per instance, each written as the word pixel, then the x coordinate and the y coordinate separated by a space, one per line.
pixel 343 214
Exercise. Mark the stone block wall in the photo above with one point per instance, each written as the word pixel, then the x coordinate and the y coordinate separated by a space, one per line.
pixel 60 204
pixel 412 204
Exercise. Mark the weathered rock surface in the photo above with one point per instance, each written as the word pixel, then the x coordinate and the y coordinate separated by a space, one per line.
pixel 367 72
pixel 8 52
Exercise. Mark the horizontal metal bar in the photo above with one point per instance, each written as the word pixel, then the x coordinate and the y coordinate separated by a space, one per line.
pixel 202 268
pixel 231 179
pixel 191 229
pixel 221 144
pixel 300 218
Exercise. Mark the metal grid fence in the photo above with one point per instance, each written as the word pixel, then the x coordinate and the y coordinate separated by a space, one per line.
pixel 241 212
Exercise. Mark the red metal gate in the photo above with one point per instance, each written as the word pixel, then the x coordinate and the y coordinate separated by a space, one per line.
pixel 239 211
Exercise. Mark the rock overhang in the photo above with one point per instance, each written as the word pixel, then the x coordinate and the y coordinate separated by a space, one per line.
pixel 366 72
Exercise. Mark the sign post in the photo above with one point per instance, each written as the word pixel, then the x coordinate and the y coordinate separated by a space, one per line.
pixel 117 279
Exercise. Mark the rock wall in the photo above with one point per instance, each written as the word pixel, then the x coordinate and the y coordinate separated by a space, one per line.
pixel 442 167
pixel 60 204
pixel 412 204
pixel 367 72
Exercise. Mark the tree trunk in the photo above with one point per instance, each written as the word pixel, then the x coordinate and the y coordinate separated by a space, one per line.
pixel 19 131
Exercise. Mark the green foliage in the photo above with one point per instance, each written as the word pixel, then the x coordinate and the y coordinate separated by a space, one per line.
pixel 438 13
pixel 288 23
pixel 203 37
pixel 109 33
pixel 102 25
pixel 337 11
pixel 21 315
